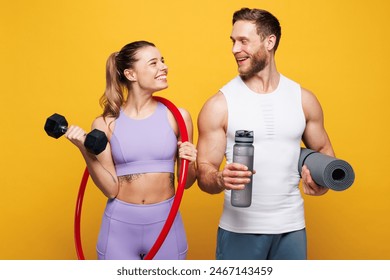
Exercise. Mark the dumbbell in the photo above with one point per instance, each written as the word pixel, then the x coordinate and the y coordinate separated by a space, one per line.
pixel 95 141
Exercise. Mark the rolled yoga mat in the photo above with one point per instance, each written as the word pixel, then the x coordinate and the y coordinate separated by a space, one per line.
pixel 327 171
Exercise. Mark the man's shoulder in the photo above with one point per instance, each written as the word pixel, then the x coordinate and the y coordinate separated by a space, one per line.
pixel 213 114
pixel 214 106
pixel 216 101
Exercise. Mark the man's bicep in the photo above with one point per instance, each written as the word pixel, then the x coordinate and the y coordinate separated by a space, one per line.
pixel 211 147
pixel 315 136
pixel 212 135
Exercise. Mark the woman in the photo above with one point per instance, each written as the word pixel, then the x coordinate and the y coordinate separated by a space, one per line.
pixel 136 170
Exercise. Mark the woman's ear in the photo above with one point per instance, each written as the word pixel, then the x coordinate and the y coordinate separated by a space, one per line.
pixel 130 75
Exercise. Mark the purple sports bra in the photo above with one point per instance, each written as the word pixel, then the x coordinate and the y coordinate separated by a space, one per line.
pixel 144 146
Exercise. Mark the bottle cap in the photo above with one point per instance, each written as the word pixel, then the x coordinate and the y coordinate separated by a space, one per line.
pixel 244 136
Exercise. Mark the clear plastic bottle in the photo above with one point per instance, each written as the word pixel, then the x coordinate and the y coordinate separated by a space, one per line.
pixel 243 151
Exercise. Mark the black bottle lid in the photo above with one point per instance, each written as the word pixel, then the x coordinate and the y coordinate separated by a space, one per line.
pixel 244 136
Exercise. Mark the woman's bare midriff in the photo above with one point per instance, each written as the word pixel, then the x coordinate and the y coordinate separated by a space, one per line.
pixel 146 188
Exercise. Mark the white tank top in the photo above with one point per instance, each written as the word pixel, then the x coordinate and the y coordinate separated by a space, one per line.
pixel 278 122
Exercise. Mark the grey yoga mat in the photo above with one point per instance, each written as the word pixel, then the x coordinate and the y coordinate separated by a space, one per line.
pixel 327 171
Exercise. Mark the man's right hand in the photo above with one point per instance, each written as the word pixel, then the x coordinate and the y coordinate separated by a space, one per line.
pixel 235 176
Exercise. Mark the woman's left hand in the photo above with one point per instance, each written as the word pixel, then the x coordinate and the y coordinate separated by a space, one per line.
pixel 187 151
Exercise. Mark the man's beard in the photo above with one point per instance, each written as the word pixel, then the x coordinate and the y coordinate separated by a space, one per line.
pixel 258 63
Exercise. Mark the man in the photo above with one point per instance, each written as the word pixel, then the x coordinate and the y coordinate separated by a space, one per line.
pixel 281 114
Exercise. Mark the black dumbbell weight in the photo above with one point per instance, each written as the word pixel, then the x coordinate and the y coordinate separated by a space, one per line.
pixel 95 141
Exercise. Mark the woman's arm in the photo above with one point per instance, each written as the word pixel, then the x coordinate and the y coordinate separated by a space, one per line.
pixel 101 167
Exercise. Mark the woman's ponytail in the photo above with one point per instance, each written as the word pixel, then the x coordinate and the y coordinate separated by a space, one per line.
pixel 113 96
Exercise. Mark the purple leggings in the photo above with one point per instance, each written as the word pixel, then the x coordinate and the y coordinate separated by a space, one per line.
pixel 128 232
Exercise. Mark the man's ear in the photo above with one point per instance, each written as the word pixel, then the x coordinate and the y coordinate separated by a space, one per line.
pixel 270 42
pixel 130 75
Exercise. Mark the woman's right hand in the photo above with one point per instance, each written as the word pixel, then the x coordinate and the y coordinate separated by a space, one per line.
pixel 76 135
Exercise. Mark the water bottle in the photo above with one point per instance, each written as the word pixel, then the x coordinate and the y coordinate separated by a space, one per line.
pixel 243 151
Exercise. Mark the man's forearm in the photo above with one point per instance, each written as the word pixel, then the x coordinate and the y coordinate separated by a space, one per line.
pixel 210 179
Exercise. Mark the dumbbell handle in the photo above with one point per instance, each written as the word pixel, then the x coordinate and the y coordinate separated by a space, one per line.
pixel 63 128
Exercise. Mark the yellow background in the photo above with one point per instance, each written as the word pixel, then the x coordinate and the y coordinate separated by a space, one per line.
pixel 53 55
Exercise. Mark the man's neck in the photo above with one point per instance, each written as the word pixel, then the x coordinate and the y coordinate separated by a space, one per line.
pixel 265 81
